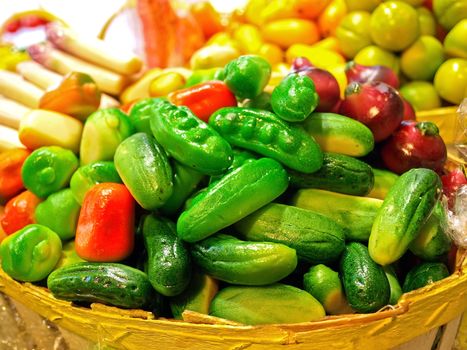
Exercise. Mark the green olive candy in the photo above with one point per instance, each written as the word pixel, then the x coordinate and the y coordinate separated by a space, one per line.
pixel 246 76
pixel 31 253
pixel 189 140
pixel 294 98
pixel 145 170
pixel 102 133
pixel 48 169
pixel 236 195
pixel 185 182
pixel 91 174
pixel 141 112
pixel 59 212
pixel 229 259
pixel 265 133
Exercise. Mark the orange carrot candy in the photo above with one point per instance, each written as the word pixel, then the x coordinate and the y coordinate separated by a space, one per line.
pixel 19 212
pixel 207 17
pixel 11 182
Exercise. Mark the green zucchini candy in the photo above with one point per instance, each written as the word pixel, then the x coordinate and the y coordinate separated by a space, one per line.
pixel 339 134
pixel 229 259
pixel 91 174
pixel 196 297
pixel 276 303
pixel 185 182
pixel 189 140
pixel 145 170
pixel 432 242
pixel 339 173
pixel 265 133
pixel 235 196
pixel 354 213
pixel 168 264
pixel 394 285
pixel 405 210
pixel 102 133
pixel 384 179
pixel 424 274
pixel 107 283
pixel 365 283
pixel 325 285
pixel 315 237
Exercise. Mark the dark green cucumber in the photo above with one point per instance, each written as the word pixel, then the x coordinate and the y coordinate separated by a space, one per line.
pixel 276 303
pixel 229 259
pixel 169 268
pixel 339 134
pixel 107 283
pixel 365 283
pixel 339 173
pixel 405 210
pixel 265 133
pixel 432 242
pixel 424 274
pixel 145 170
pixel 316 238
pixel 354 213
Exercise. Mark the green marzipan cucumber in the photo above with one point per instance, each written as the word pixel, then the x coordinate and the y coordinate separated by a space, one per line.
pixel 169 265
pixel 316 238
pixel 339 134
pixel 365 283
pixel 339 173
pixel 276 303
pixel 424 274
pixel 229 259
pixel 107 283
pixel 405 210
pixel 354 213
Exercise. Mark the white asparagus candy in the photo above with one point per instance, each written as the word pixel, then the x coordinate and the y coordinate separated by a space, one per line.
pixel 9 138
pixel 11 112
pixel 63 63
pixel 93 50
pixel 13 86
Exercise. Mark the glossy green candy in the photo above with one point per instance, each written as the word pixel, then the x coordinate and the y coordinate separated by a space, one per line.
pixel 102 133
pixel 265 133
pixel 91 174
pixel 394 285
pixel 246 76
pixel 59 212
pixel 31 253
pixel 294 98
pixel 145 170
pixel 48 169
pixel 229 259
pixel 202 75
pixel 262 101
pixel 185 181
pixel 424 274
pixel 235 196
pixel 141 112
pixel 189 140
pixel 240 156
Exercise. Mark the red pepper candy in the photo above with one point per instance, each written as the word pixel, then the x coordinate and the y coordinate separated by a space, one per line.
pixel 205 98
pixel 105 231
pixel 19 212
pixel 11 182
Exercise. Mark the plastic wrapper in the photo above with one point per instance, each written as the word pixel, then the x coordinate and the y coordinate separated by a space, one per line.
pixel 457 218
pixel 461 130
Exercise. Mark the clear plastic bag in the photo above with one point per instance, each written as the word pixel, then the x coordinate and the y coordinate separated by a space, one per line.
pixel 461 130
pixel 457 218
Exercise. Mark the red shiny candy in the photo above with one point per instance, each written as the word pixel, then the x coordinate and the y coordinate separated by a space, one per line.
pixel 362 74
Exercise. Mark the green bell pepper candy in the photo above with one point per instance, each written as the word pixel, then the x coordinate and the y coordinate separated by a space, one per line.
pixel 102 133
pixel 91 174
pixel 185 181
pixel 294 98
pixel 141 112
pixel 246 76
pixel 59 212
pixel 48 169
pixel 202 75
pixel 31 253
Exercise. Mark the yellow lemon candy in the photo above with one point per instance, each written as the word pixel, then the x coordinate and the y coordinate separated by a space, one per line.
pixel 271 52
pixel 213 56
pixel 248 38
pixel 455 42
pixel 374 55
pixel 451 80
pixel 338 72
pixel 166 83
pixel 319 57
pixel 287 32
pixel 353 33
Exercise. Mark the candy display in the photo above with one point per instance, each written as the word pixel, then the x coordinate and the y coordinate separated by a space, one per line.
pixel 260 180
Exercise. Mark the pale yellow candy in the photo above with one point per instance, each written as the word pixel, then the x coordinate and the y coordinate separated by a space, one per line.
pixel 46 128
pixel 213 56
pixel 9 139
pixel 13 86
pixel 248 38
pixel 272 53
pixel 166 83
